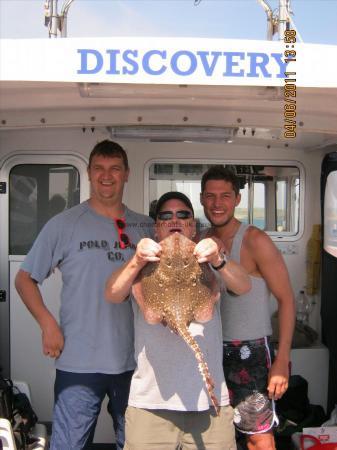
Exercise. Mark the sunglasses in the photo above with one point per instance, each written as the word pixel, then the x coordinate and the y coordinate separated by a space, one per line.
pixel 124 240
pixel 168 215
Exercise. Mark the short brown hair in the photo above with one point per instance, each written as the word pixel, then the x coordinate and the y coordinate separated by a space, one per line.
pixel 109 149
pixel 221 173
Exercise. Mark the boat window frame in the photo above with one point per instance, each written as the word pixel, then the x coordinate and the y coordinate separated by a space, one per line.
pixel 274 235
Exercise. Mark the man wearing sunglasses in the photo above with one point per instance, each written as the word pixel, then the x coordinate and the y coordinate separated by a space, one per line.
pixel 168 405
pixel 93 344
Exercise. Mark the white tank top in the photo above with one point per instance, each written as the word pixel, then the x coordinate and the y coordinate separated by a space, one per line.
pixel 247 316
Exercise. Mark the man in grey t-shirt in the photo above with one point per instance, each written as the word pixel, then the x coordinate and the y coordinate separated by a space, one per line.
pixel 168 403
pixel 93 341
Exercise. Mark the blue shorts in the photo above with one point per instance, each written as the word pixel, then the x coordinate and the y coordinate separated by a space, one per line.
pixel 246 366
pixel 78 399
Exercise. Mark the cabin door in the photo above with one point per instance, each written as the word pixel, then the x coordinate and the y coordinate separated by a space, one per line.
pixel 34 187
pixel 329 269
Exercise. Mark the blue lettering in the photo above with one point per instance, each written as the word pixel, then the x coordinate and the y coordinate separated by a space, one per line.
pixel 84 61
pixel 254 64
pixel 209 68
pixel 146 61
pixel 113 63
pixel 134 65
pixel 182 63
pixel 174 63
pixel 230 63
pixel 282 65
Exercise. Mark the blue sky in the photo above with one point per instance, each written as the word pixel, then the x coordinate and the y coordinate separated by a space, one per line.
pixel 238 19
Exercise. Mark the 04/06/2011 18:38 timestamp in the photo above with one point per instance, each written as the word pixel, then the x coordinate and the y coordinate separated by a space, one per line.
pixel 289 112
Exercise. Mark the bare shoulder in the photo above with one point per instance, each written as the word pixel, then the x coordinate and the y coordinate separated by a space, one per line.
pixel 254 238
pixel 259 246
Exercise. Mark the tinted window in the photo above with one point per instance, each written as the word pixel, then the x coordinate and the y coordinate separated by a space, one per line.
pixel 36 193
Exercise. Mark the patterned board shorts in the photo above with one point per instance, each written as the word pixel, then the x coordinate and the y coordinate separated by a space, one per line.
pixel 246 365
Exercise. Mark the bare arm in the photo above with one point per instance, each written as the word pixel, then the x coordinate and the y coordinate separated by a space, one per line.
pixel 118 285
pixel 52 337
pixel 272 267
pixel 233 274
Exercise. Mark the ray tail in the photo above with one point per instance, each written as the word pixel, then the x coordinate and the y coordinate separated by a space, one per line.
pixel 202 365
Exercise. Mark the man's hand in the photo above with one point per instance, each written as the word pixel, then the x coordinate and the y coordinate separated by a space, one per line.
pixel 278 379
pixel 147 251
pixel 208 250
pixel 52 339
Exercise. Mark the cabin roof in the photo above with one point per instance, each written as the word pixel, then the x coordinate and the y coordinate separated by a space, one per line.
pixel 41 85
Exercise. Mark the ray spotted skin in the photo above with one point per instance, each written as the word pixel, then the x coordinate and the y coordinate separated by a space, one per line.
pixel 177 290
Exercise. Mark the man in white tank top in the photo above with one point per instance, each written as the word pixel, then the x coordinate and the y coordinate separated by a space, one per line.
pixel 254 382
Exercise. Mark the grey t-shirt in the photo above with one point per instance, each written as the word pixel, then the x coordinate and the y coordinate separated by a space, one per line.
pixel 167 374
pixel 84 246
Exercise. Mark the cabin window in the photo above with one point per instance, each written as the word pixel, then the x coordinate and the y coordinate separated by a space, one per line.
pixel 270 194
pixel 330 215
pixel 259 205
pixel 36 193
pixel 281 205
pixel 242 211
